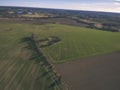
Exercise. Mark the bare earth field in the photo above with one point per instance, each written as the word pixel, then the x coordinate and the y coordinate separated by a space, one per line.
pixel 95 73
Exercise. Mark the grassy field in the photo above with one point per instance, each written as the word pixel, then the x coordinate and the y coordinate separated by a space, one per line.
pixel 79 42
pixel 19 66
pixel 75 42
pixel 19 63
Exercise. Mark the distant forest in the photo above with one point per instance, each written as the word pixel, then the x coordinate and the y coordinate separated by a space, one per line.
pixel 91 19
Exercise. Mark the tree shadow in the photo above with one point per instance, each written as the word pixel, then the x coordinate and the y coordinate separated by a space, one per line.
pixel 54 83
pixel 37 57
pixel 44 74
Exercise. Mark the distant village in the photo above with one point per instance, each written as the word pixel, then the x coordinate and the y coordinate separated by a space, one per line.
pixel 21 11
pixel 27 13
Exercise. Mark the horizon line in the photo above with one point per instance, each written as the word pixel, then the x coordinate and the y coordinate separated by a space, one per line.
pixel 61 9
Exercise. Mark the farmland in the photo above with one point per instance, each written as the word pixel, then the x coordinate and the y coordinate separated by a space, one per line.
pixel 19 66
pixel 36 15
pixel 19 63
pixel 94 73
pixel 75 42
pixel 78 43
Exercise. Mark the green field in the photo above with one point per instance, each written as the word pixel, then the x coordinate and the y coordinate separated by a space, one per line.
pixel 19 69
pixel 79 42
pixel 75 42
pixel 19 63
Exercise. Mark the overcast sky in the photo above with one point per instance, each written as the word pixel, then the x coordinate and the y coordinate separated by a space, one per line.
pixel 93 5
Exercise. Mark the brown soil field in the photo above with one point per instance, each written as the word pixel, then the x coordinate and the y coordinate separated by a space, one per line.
pixel 94 73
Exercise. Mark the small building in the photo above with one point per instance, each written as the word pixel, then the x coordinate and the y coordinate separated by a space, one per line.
pixel 19 11
pixel 30 13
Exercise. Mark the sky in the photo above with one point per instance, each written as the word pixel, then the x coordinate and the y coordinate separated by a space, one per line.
pixel 92 5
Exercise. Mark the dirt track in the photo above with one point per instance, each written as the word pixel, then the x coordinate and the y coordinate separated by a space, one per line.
pixel 95 73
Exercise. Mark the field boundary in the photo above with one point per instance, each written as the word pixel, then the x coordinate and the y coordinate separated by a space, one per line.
pixel 74 59
pixel 63 81
pixel 49 65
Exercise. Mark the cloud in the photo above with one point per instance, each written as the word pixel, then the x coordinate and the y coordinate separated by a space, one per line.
pixel 108 6
pixel 117 0
pixel 116 3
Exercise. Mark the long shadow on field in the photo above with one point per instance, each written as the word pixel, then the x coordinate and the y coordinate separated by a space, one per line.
pixel 37 57
pixel 34 52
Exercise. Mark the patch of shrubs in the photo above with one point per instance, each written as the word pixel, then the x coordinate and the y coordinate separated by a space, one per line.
pixel 43 42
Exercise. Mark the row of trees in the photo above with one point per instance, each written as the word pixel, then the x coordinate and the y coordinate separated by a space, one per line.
pixel 55 76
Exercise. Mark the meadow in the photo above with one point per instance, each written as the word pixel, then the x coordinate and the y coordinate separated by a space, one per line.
pixel 79 42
